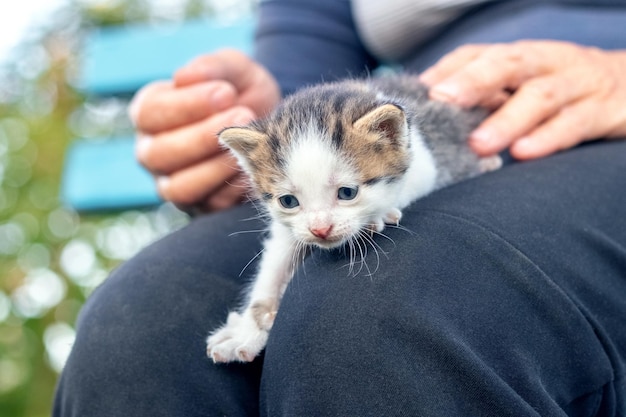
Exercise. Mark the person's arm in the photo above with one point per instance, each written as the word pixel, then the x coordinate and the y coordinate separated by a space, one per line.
pixel 306 42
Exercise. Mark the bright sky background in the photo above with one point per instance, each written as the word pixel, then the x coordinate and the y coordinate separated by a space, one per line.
pixel 17 16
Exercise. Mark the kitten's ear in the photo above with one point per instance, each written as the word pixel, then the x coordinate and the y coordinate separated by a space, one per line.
pixel 241 140
pixel 387 121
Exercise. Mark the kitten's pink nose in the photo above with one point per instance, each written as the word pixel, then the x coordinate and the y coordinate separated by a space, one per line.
pixel 321 232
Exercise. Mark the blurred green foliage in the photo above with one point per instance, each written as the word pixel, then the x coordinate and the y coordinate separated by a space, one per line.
pixel 51 258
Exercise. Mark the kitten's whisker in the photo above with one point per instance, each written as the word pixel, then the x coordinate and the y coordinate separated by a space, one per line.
pixel 295 255
pixel 367 267
pixel 245 184
pixel 363 250
pixel 255 218
pixel 251 260
pixel 368 239
pixel 300 254
pixel 358 245
pixel 376 233
pixel 241 232
pixel 259 206
pixel 352 255
pixel 400 227
pixel 261 214
pixel 373 242
pixel 348 250
pixel 355 254
pixel 305 250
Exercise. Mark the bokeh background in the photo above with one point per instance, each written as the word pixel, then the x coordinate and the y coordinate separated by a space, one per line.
pixel 51 257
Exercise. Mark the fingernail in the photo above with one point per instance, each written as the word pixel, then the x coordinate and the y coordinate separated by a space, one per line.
pixel 142 146
pixel 133 107
pixel 524 142
pixel 484 140
pixel 132 112
pixel 444 92
pixel 523 147
pixel 163 185
pixel 483 137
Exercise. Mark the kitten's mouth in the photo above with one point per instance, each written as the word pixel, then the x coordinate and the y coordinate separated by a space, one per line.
pixel 329 242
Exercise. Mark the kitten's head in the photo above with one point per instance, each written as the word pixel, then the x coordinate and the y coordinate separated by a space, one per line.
pixel 326 161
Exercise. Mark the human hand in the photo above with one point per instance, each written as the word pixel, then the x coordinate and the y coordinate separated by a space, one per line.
pixel 549 95
pixel 178 121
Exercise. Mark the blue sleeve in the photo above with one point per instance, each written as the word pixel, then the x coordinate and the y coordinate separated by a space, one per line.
pixel 303 42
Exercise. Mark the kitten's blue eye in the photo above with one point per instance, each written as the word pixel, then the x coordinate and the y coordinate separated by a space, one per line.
pixel 288 201
pixel 347 193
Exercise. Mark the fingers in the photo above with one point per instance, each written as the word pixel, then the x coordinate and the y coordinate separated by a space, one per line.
pixel 160 106
pixel 196 183
pixel 176 149
pixel 255 86
pixel 228 64
pixel 534 102
pixel 491 70
pixel 571 126
pixel 450 63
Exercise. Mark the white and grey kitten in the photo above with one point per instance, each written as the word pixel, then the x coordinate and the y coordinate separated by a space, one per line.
pixel 331 163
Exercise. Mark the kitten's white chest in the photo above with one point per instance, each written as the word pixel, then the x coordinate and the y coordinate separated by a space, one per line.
pixel 421 177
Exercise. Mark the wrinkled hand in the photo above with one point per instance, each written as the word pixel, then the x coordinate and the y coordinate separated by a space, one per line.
pixel 549 95
pixel 178 121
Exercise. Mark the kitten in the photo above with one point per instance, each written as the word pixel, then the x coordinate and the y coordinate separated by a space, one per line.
pixel 330 163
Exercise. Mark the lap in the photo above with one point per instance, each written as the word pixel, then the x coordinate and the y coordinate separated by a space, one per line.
pixel 508 286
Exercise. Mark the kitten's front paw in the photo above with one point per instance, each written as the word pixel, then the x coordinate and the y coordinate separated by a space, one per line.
pixel 393 217
pixel 240 340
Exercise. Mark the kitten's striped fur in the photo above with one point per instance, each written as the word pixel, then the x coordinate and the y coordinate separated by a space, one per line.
pixel 330 162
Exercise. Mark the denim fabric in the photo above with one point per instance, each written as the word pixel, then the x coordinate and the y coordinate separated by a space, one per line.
pixel 506 296
pixel 307 42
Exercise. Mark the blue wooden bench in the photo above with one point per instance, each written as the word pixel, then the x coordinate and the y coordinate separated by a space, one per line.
pixel 103 174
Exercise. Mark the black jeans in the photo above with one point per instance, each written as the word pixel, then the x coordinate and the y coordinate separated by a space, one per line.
pixel 507 297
